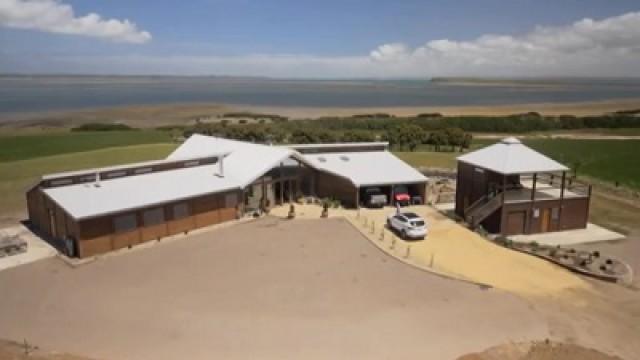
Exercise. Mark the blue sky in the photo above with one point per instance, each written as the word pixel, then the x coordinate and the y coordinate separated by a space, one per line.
pixel 330 38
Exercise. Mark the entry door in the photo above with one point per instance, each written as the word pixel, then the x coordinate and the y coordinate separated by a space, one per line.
pixel 546 217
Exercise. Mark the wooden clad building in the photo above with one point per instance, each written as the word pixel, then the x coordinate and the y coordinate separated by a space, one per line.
pixel 205 181
pixel 60 206
pixel 510 189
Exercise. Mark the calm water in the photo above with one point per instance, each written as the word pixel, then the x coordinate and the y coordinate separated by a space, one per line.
pixel 42 93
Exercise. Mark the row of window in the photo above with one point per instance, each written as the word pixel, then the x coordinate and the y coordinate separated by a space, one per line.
pixel 155 216
pixel 150 217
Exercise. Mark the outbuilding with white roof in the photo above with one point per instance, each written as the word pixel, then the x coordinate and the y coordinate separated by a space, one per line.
pixel 509 188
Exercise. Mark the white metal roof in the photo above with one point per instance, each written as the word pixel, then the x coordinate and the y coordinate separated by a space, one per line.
pixel 509 157
pixel 115 195
pixel 367 168
pixel 246 161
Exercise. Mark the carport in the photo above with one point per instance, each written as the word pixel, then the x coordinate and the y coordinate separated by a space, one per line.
pixel 416 191
pixel 353 172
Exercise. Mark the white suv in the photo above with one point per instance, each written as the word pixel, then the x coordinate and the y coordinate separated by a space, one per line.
pixel 408 225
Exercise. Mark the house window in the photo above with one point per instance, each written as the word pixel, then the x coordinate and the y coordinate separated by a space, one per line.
pixel 61 182
pixel 191 163
pixel 555 213
pixel 153 216
pixel 125 223
pixel 142 170
pixel 116 174
pixel 88 178
pixel 180 211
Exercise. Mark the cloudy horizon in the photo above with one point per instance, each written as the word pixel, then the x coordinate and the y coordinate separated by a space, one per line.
pixel 66 37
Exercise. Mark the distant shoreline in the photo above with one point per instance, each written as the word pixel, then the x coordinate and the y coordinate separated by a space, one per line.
pixel 183 113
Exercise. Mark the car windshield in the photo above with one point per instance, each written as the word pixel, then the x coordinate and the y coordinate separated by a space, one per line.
pixel 411 215
pixel 417 223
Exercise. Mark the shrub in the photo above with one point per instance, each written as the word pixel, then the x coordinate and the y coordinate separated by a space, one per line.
pixel 502 240
pixel 102 127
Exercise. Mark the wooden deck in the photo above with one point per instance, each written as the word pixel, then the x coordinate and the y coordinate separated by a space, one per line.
pixel 543 192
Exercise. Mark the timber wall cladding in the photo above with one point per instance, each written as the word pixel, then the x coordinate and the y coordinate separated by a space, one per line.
pixel 575 213
pixel 97 236
pixel 328 185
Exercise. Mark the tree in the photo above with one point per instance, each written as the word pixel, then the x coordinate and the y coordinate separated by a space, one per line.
pixel 466 142
pixel 357 136
pixel 404 135
pixel 437 138
pixel 455 137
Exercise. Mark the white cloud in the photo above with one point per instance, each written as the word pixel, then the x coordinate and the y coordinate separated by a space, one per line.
pixel 56 17
pixel 390 52
pixel 586 47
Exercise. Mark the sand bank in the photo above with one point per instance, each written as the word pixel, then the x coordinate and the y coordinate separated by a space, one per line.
pixel 573 108
pixel 186 113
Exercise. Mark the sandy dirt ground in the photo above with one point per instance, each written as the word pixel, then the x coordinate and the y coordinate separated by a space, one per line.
pixel 452 249
pixel 578 310
pixel 269 289
pixel 574 108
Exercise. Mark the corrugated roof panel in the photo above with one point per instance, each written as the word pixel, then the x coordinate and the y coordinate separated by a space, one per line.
pixel 132 192
pixel 367 168
pixel 510 157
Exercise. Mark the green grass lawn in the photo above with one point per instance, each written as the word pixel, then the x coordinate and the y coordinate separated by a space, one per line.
pixel 17 176
pixel 444 160
pixel 608 160
pixel 21 147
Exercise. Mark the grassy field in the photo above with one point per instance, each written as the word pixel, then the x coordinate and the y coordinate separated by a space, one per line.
pixel 444 160
pixel 17 176
pixel 21 147
pixel 608 160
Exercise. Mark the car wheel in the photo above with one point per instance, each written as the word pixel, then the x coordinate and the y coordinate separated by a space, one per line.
pixel 403 234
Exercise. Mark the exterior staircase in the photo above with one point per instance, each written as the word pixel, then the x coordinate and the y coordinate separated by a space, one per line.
pixel 481 209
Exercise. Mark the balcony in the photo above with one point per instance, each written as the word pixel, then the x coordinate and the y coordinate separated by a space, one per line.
pixel 547 187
